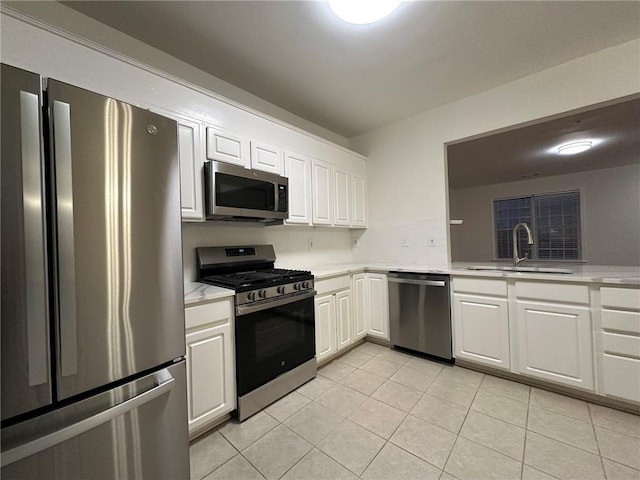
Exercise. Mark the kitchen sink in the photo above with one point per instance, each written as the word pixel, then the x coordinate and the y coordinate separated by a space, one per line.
pixel 506 268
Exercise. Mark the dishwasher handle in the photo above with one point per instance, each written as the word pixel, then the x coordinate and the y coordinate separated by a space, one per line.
pixel 429 283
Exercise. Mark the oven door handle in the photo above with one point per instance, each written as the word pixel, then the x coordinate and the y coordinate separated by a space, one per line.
pixel 245 310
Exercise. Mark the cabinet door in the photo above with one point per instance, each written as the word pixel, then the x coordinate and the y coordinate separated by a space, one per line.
pixel 359 307
pixel 298 170
pixel 322 192
pixel 554 343
pixel 378 305
pixel 621 377
pixel 342 197
pixel 359 204
pixel 325 327
pixel 227 147
pixel 267 158
pixel 190 144
pixel 482 329
pixel 343 319
pixel 210 374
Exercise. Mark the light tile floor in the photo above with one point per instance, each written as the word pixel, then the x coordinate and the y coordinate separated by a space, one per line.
pixel 376 413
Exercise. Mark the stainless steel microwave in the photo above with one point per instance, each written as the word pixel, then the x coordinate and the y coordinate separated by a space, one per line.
pixel 239 194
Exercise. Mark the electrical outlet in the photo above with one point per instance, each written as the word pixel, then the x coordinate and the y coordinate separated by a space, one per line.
pixel 431 242
pixel 309 244
pixel 404 242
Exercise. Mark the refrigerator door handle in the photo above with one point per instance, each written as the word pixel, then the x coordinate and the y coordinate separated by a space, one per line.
pixel 66 254
pixel 165 383
pixel 35 262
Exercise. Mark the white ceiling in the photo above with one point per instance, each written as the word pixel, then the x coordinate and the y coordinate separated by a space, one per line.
pixel 351 79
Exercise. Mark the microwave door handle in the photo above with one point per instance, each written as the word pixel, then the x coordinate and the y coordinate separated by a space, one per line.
pixel 276 194
pixel 35 262
pixel 66 262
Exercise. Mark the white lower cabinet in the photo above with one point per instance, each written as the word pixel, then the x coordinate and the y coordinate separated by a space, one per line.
pixel 554 343
pixel 620 339
pixel 325 317
pixel 334 331
pixel 359 323
pixel 342 313
pixel 344 329
pixel 377 315
pixel 210 362
pixel 482 329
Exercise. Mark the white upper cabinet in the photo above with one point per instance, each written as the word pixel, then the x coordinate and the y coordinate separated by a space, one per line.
pixel 192 158
pixel 227 147
pixel 342 200
pixel 298 169
pixel 322 192
pixel 190 145
pixel 359 204
pixel 267 158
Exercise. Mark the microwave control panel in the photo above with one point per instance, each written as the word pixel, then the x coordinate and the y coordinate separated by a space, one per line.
pixel 283 203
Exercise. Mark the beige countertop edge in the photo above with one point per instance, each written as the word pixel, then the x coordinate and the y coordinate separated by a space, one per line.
pixel 195 292
pixel 601 274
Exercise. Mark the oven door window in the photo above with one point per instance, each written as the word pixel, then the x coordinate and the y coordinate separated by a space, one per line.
pixel 273 341
pixel 248 193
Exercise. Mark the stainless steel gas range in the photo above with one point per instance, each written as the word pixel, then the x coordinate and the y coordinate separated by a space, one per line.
pixel 274 321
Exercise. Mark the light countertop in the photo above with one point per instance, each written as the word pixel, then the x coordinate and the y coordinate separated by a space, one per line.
pixel 604 274
pixel 581 273
pixel 195 292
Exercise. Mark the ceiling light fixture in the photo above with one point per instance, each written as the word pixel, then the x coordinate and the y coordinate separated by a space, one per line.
pixel 574 147
pixel 362 12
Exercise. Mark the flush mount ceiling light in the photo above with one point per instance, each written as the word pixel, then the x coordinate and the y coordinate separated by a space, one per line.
pixel 574 147
pixel 362 12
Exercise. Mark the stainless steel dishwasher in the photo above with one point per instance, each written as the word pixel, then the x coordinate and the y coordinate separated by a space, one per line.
pixel 420 313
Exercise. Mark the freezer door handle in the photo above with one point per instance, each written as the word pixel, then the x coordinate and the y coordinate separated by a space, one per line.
pixel 34 258
pixel 165 383
pixel 66 254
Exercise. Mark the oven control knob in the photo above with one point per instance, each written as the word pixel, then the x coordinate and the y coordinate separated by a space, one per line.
pixel 281 289
pixel 251 296
pixel 297 286
pixel 262 293
pixel 306 284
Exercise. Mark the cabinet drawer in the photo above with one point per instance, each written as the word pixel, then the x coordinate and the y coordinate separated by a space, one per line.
pixel 622 344
pixel 553 292
pixel 619 320
pixel 333 284
pixel 628 298
pixel 621 377
pixel 207 313
pixel 483 286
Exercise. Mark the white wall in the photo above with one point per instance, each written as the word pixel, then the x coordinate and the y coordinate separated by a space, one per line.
pixel 330 245
pixel 610 201
pixel 406 159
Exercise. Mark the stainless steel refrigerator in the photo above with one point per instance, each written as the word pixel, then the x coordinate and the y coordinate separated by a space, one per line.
pixel 93 374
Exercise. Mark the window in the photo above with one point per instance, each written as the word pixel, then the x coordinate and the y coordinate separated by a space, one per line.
pixel 554 219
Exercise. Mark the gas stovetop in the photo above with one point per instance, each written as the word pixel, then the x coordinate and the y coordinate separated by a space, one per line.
pixel 250 272
pixel 242 280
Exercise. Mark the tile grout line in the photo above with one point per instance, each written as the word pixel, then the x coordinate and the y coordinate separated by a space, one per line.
pixel 595 436
pixel 526 434
pixel 462 424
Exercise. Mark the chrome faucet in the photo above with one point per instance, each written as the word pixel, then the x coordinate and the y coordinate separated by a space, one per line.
pixel 516 259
